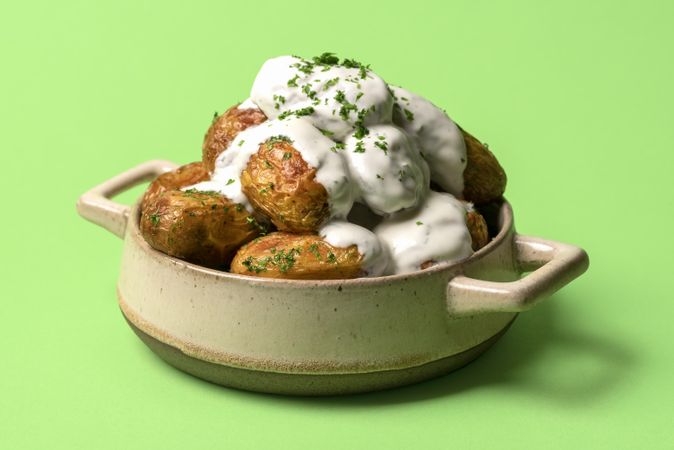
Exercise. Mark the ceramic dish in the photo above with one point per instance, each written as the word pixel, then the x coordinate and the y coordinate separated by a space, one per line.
pixel 325 337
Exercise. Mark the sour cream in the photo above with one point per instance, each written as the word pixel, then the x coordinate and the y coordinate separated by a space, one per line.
pixel 342 234
pixel 387 169
pixel 439 139
pixel 247 104
pixel 316 150
pixel 334 98
pixel 434 232
pixel 369 142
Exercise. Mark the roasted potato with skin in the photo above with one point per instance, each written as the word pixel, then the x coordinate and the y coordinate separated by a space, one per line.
pixel 201 227
pixel 281 185
pixel 224 129
pixel 484 179
pixel 477 227
pixel 183 176
pixel 297 256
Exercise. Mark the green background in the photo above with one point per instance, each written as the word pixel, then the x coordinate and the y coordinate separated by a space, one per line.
pixel 575 98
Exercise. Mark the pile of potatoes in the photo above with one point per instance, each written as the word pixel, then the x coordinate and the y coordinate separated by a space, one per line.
pixel 279 239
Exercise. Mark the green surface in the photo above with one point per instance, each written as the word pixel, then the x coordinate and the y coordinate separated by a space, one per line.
pixel 574 98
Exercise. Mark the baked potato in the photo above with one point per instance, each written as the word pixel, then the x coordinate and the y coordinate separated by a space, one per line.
pixel 477 227
pixel 224 129
pixel 484 179
pixel 183 176
pixel 200 227
pixel 297 256
pixel 281 185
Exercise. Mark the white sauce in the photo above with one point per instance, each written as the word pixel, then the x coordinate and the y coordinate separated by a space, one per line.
pixel 436 232
pixel 439 139
pixel 331 170
pixel 382 156
pixel 342 234
pixel 319 90
pixel 387 169
pixel 247 104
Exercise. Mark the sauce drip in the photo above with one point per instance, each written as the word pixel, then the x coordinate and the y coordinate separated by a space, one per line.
pixel 436 231
pixel 340 233
pixel 438 137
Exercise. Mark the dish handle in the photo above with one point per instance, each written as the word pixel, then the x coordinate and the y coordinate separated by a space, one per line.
pixel 552 264
pixel 95 205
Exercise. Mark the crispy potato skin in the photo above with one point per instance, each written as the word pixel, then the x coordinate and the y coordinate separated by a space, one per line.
pixel 477 227
pixel 224 129
pixel 281 185
pixel 203 228
pixel 297 256
pixel 183 176
pixel 484 178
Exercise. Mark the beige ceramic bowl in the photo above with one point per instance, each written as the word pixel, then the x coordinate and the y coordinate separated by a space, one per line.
pixel 325 337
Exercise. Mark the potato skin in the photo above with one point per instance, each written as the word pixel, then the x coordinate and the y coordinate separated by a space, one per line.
pixel 484 179
pixel 224 129
pixel 477 227
pixel 203 228
pixel 297 256
pixel 281 185
pixel 183 176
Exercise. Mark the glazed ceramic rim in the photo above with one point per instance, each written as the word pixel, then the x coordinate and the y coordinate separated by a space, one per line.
pixel 505 219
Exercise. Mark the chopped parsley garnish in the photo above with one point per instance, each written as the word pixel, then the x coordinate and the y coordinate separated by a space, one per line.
pixel 326 59
pixel 346 109
pixel 278 101
pixel 313 248
pixel 283 259
pixel 304 66
pixel 380 177
pixel 306 89
pixel 262 228
pixel 332 258
pixel 267 164
pixel 215 116
pixel 383 145
pixel 293 81
pixel 287 155
pixel 279 138
pixel 256 265
pixel 309 110
pixel 239 207
pixel 154 218
pixel 304 111
pixel 192 192
pixel 338 146
pixel 327 133
pixel 241 142
pixel 330 83
pixel 361 131
pixel 419 222
pixel 409 114
pixel 230 181
pixel 360 147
